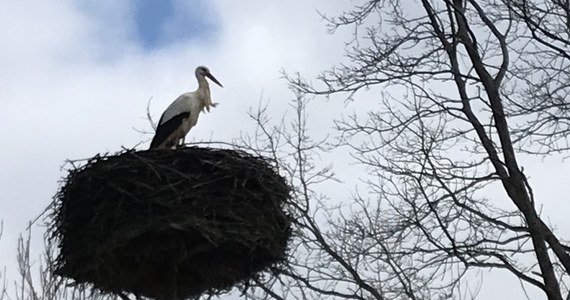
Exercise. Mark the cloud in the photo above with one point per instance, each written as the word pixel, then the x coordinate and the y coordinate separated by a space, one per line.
pixel 76 80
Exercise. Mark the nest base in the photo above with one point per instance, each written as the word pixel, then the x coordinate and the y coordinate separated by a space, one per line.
pixel 170 224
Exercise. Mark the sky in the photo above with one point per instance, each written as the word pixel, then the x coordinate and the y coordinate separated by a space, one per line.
pixel 162 23
pixel 76 78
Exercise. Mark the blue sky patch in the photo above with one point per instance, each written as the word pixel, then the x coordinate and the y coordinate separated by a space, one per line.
pixel 165 22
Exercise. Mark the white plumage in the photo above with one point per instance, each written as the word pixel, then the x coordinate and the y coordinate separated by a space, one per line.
pixel 182 114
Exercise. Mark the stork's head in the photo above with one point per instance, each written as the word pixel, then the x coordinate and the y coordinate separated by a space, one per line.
pixel 202 72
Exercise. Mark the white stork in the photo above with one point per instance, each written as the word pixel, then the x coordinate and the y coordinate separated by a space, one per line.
pixel 182 114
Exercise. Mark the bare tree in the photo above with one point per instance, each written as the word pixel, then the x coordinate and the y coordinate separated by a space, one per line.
pixel 3 289
pixel 462 89
pixel 458 90
pixel 36 280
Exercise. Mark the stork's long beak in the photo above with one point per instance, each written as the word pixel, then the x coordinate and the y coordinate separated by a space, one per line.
pixel 214 79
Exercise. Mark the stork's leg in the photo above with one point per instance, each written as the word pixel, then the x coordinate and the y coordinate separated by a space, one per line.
pixel 176 144
pixel 172 142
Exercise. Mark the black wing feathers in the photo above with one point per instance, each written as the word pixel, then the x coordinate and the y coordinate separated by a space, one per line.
pixel 164 130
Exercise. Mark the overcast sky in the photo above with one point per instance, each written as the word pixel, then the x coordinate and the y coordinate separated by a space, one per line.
pixel 76 77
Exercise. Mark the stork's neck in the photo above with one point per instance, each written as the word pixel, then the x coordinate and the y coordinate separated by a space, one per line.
pixel 203 92
pixel 203 88
pixel 203 83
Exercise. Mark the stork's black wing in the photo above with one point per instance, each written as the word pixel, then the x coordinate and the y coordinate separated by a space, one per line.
pixel 164 130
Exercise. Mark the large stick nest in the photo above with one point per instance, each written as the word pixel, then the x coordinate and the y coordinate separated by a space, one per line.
pixel 170 224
